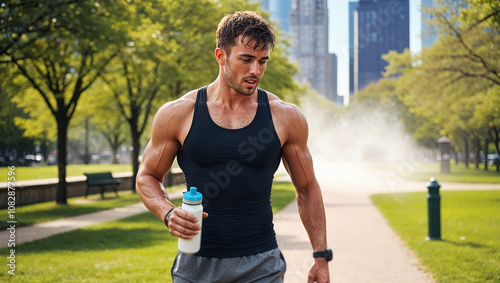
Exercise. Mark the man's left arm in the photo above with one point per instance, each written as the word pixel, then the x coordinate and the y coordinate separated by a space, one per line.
pixel 298 162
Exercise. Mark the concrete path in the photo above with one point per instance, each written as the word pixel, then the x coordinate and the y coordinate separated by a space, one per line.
pixel 47 229
pixel 365 248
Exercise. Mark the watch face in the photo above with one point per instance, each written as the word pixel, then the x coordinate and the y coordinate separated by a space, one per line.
pixel 330 254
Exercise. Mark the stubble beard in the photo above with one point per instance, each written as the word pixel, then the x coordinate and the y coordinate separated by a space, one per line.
pixel 231 81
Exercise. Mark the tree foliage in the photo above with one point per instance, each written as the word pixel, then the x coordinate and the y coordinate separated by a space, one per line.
pixel 12 144
pixel 59 49
pixel 454 83
pixel 122 58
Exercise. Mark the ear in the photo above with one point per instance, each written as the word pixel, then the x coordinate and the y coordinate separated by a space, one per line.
pixel 220 56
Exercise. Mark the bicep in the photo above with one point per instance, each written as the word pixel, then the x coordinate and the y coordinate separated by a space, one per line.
pixel 298 162
pixel 296 155
pixel 161 149
pixel 158 158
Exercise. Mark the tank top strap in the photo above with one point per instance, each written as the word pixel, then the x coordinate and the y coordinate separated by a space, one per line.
pixel 200 105
pixel 264 101
pixel 201 97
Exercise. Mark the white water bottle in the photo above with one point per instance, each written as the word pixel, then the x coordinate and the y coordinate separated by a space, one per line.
pixel 191 202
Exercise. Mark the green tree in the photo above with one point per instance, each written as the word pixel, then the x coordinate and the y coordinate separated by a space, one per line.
pixel 449 83
pixel 108 121
pixel 468 40
pixel 61 55
pixel 37 123
pixel 13 141
pixel 162 58
pixel 170 52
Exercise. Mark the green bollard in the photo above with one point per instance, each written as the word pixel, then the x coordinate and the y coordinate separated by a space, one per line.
pixel 434 210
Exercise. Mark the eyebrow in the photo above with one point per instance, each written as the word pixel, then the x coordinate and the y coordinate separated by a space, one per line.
pixel 252 56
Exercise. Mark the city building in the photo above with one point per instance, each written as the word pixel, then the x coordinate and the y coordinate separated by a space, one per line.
pixel 279 11
pixel 331 92
pixel 353 6
pixel 309 33
pixel 379 26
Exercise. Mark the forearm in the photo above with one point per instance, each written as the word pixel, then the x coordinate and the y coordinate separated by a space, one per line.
pixel 153 195
pixel 312 214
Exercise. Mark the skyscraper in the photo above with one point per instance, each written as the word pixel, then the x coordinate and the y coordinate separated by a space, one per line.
pixel 379 26
pixel 280 12
pixel 309 31
pixel 331 92
pixel 353 6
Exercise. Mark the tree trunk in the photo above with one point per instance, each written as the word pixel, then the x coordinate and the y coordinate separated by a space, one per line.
pixel 486 144
pixel 114 149
pixel 477 145
pixel 135 157
pixel 455 153
pixel 135 144
pixel 86 158
pixel 62 140
pixel 467 152
pixel 496 139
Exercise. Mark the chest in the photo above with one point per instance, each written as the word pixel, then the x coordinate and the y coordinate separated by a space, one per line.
pixel 245 137
pixel 232 118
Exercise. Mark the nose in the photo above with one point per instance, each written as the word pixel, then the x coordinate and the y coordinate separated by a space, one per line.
pixel 255 69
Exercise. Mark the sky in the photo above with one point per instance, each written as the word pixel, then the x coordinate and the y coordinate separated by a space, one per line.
pixel 338 11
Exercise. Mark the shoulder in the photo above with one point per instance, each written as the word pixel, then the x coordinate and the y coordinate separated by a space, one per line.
pixel 282 110
pixel 288 119
pixel 173 115
pixel 177 107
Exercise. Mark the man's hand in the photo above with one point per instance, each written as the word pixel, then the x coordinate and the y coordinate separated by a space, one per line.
pixel 319 272
pixel 183 224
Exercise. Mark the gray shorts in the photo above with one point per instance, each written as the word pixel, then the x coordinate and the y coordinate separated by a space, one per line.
pixel 264 267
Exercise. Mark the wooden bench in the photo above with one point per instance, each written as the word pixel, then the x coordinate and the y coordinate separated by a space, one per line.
pixel 104 181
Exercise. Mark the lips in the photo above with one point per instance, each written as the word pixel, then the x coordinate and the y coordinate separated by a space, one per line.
pixel 251 82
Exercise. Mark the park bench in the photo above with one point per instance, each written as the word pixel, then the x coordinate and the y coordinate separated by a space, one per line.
pixel 104 181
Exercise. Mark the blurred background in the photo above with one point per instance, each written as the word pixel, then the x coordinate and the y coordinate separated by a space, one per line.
pixel 379 81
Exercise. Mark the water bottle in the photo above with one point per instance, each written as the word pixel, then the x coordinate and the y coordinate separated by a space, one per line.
pixel 191 202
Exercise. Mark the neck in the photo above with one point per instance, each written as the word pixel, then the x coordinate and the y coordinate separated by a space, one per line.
pixel 219 91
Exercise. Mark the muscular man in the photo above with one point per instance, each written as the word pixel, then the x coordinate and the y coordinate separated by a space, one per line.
pixel 229 138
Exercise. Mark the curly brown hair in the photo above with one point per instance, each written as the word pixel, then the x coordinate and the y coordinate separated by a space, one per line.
pixel 249 24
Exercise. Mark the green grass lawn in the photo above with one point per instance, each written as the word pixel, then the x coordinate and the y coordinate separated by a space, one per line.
pixel 458 173
pixel 470 246
pixel 44 172
pixel 134 249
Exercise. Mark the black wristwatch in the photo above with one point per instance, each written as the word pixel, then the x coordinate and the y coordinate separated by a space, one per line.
pixel 327 254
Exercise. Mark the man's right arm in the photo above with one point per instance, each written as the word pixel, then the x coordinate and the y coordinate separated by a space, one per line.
pixel 156 161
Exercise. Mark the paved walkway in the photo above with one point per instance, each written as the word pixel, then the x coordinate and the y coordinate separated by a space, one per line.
pixel 365 248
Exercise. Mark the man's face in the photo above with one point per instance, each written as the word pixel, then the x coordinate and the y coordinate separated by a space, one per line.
pixel 245 66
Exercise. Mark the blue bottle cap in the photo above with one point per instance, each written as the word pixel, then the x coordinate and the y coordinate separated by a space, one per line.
pixel 192 195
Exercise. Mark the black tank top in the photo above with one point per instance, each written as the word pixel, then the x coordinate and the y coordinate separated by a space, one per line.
pixel 234 170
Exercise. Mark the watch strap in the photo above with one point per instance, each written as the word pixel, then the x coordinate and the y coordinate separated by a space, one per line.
pixel 327 254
